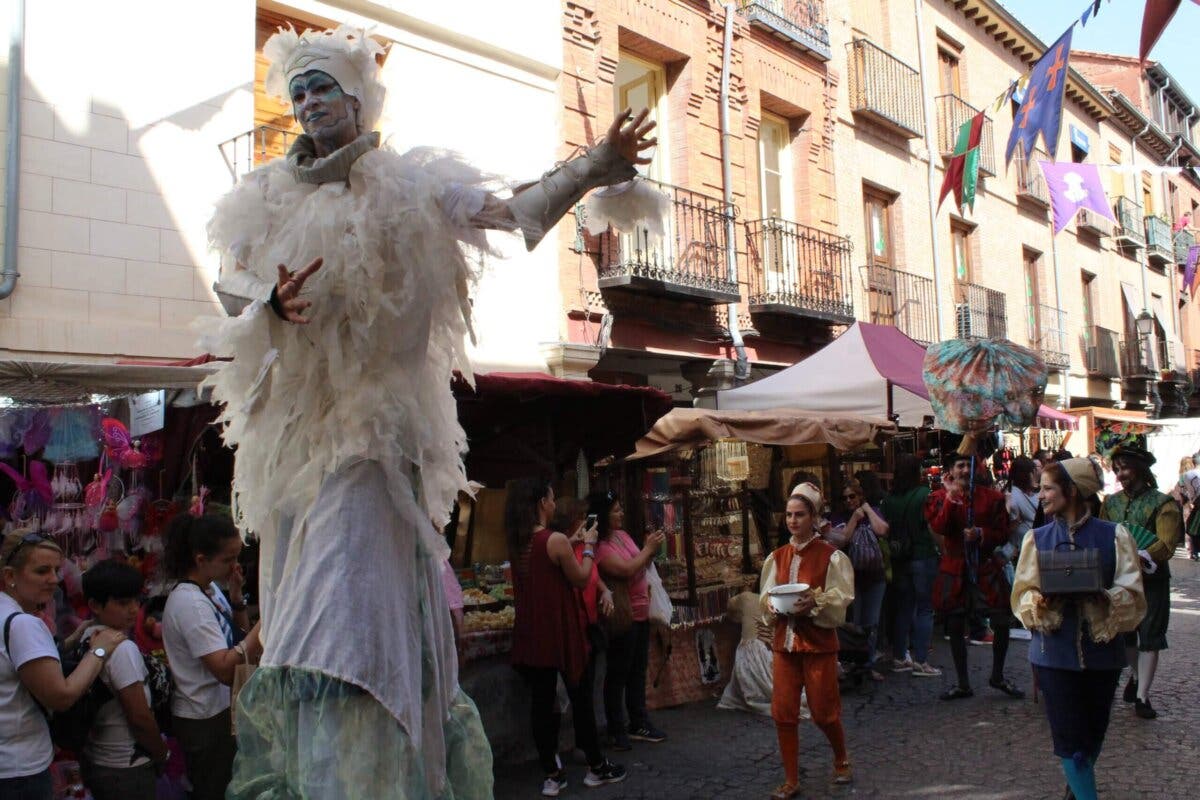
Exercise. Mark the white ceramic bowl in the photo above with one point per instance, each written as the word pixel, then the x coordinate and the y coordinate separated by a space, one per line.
pixel 783 598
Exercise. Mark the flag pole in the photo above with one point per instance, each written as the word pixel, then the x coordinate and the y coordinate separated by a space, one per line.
pixel 1064 392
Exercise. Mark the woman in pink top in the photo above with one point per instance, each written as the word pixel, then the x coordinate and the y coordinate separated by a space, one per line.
pixel 629 652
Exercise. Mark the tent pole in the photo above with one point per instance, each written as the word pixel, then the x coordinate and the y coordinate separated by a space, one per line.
pixel 889 401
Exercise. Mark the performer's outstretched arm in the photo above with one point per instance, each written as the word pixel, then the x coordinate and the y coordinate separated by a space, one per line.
pixel 536 207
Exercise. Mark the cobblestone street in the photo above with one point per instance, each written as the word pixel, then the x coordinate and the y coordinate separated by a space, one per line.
pixel 906 744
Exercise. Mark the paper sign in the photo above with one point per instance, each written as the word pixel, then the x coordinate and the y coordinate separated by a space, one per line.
pixel 147 413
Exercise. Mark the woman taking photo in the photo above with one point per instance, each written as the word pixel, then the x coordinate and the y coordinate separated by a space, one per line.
pixel 1078 665
pixel 628 651
pixel 200 631
pixel 549 634
pixel 31 677
pixel 805 642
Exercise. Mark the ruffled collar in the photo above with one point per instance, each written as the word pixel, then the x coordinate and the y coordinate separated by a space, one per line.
pixel 800 546
pixel 306 167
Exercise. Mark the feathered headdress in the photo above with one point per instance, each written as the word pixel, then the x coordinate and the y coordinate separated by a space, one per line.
pixel 347 54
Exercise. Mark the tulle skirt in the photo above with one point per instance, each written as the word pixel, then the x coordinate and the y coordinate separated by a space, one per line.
pixel 305 735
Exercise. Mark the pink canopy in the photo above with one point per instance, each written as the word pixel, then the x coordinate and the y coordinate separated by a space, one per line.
pixel 870 370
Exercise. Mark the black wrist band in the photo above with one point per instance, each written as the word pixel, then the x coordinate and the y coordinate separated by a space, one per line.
pixel 276 306
pixel 238 606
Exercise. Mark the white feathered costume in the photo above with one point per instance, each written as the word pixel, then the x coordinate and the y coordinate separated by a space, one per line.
pixel 347 446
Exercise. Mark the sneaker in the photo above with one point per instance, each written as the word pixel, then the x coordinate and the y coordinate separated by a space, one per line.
pixel 925 670
pixel 621 743
pixel 842 774
pixel 905 665
pixel 554 784
pixel 1130 693
pixel 647 733
pixel 607 772
pixel 1144 710
pixel 985 639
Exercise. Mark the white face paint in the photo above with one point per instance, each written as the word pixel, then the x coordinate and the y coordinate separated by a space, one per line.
pixel 326 113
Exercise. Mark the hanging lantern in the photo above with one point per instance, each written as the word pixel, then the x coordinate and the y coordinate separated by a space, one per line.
pixel 733 460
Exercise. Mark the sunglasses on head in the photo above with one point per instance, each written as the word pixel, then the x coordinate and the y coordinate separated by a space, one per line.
pixel 27 539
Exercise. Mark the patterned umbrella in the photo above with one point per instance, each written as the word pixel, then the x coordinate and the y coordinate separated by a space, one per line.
pixel 977 384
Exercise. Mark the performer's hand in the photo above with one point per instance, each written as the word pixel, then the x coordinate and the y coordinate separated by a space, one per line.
pixel 630 139
pixel 804 606
pixel 287 290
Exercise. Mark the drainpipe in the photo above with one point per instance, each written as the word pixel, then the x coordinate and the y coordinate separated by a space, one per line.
pixel 741 369
pixel 931 146
pixel 1152 397
pixel 12 162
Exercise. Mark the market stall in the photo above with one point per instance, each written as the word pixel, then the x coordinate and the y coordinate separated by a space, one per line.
pixel 870 370
pixel 1102 429
pixel 697 476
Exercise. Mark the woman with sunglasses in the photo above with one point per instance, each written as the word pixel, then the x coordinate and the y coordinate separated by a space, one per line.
pixel 861 527
pixel 31 678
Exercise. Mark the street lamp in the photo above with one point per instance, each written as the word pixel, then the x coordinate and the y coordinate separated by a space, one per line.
pixel 1145 331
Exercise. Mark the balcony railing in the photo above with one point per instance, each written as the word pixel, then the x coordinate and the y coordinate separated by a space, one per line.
pixel 1031 186
pixel 884 89
pixel 688 261
pixel 1158 239
pixel 1184 240
pixel 981 313
pixel 800 23
pixel 1091 222
pixel 1172 360
pixel 1130 227
pixel 1047 329
pixel 800 271
pixel 254 148
pixel 902 300
pixel 952 112
pixel 1135 361
pixel 1102 349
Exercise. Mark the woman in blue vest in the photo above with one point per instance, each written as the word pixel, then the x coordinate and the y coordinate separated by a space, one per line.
pixel 1077 651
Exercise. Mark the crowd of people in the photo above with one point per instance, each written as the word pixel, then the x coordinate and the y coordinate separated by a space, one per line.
pixel 124 680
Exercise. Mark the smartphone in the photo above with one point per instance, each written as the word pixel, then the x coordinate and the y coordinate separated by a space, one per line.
pixel 591 520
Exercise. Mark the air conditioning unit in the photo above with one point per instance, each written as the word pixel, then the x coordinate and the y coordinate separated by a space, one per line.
pixel 1093 358
pixel 963 321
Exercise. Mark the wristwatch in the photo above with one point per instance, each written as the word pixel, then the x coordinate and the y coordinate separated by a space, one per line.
pixel 100 653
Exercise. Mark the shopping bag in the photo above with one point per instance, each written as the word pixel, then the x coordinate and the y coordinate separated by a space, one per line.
pixel 660 602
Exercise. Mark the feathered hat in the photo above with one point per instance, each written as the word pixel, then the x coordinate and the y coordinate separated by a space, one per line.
pixel 345 53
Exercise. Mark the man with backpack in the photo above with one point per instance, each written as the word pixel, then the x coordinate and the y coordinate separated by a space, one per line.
pixel 122 744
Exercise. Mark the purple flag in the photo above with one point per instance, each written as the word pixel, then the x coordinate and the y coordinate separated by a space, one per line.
pixel 1189 269
pixel 1072 187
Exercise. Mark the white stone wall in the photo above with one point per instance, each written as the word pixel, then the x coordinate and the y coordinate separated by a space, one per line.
pixel 122 112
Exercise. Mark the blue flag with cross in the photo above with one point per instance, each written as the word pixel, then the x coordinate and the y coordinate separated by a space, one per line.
pixel 1041 109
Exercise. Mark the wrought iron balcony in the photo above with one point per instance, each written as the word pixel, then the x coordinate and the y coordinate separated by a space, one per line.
pixel 1102 350
pixel 1136 363
pixel 1130 228
pixel 1031 186
pixel 1158 240
pixel 1047 329
pixel 1087 221
pixel 1172 360
pixel 688 262
pixel 798 271
pixel 884 89
pixel 1184 240
pixel 799 23
pixel 981 313
pixel 254 148
pixel 952 113
pixel 902 300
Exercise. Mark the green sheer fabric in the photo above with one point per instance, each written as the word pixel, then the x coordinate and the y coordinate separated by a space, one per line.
pixel 303 735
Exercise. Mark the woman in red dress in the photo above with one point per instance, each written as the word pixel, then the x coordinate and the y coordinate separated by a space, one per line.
pixel 549 633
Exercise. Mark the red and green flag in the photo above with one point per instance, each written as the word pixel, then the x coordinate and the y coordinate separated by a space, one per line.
pixel 962 173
